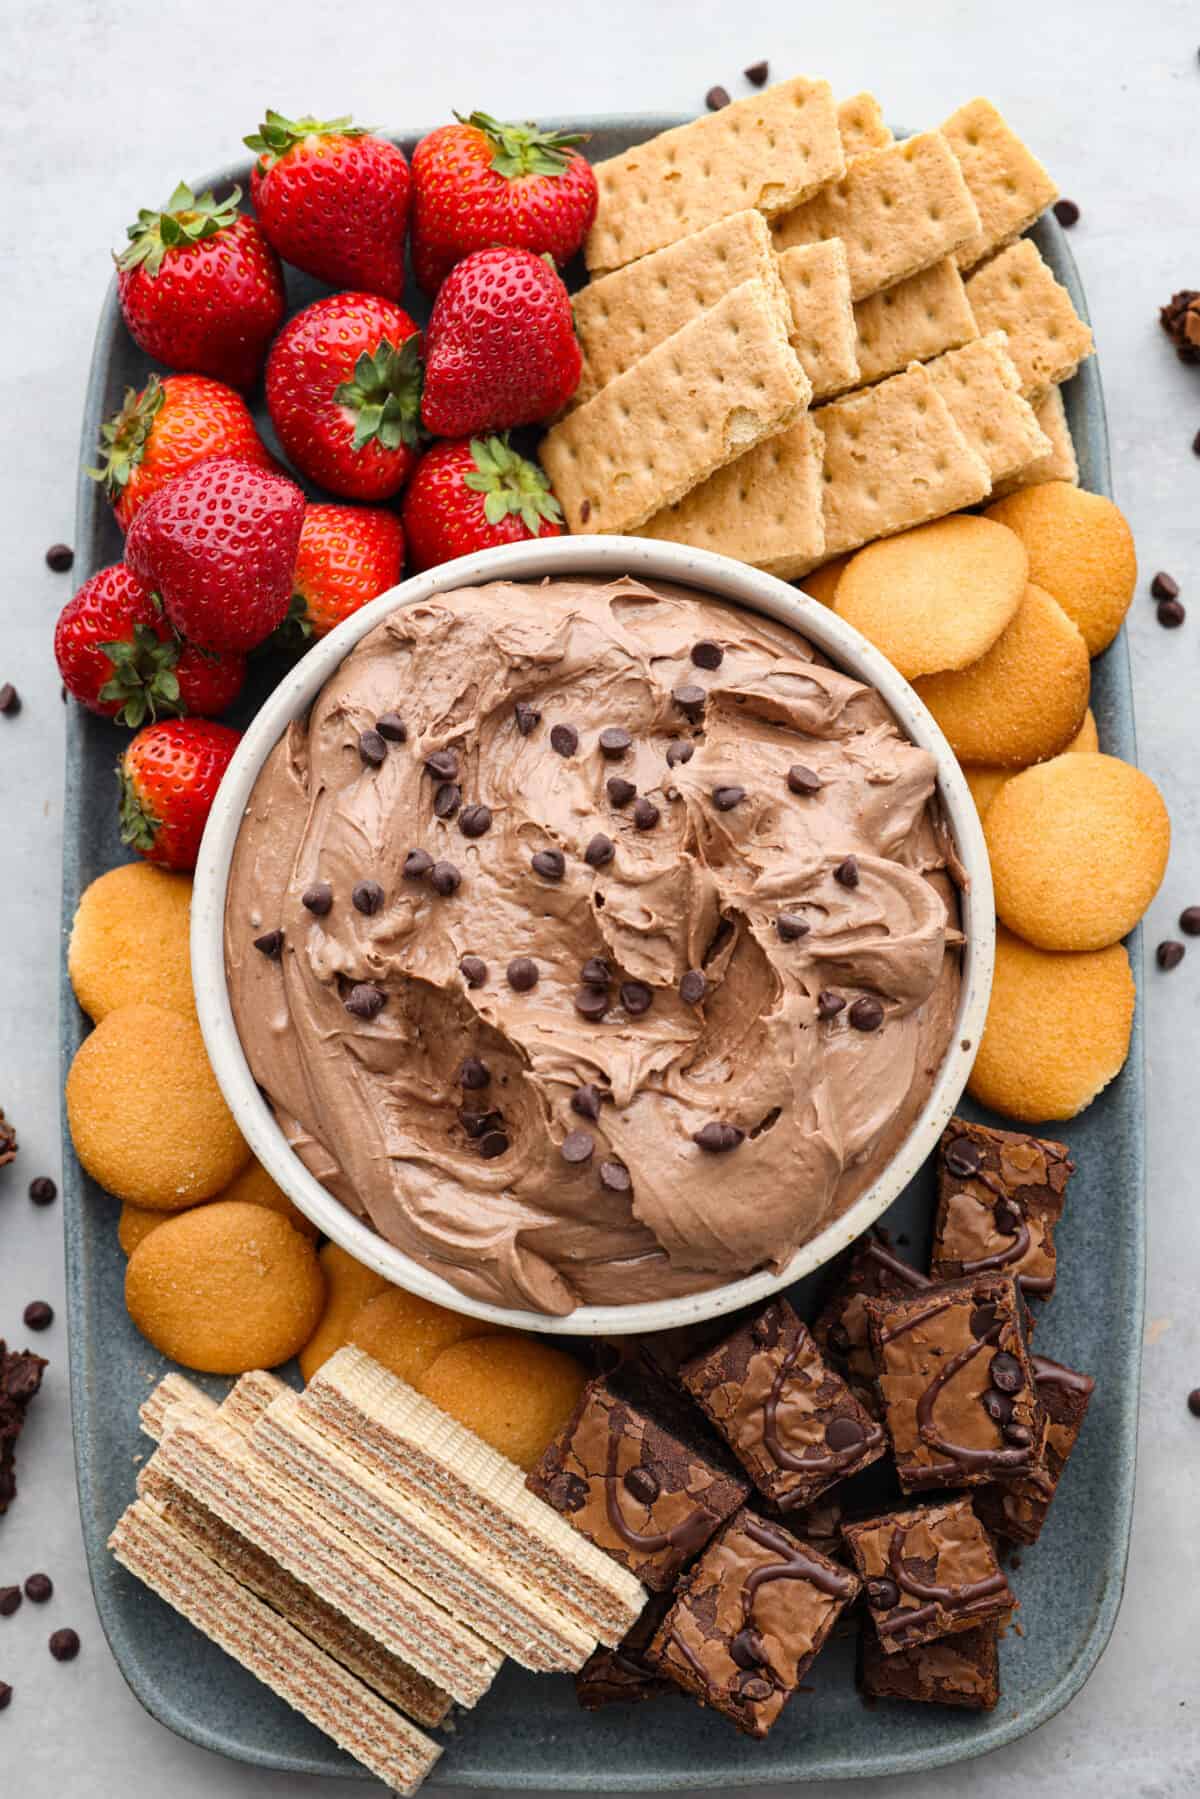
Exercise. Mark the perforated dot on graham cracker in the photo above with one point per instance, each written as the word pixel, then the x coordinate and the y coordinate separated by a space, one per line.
pixel 1008 184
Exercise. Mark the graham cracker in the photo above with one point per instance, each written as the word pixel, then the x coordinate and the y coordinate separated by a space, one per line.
pixel 914 320
pixel 1016 293
pixel 274 1651
pixel 1008 184
pixel 769 152
pixel 816 278
pixel 418 1449
pixel 701 398
pixel 622 316
pixel 896 210
pixel 391 1677
pixel 174 1390
pixel 862 126
pixel 894 457
pixel 983 391
pixel 764 507
pixel 1060 463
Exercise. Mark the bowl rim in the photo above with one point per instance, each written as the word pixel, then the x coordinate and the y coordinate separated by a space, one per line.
pixel 712 576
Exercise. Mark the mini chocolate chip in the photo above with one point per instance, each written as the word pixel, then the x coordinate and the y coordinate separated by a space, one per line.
pixel 829 1003
pixel 839 1338
pixel 790 925
pixel 475 1124
pixel 596 972
pixel 707 654
pixel 716 98
pixel 567 1492
pixel 42 1191
pixel 1196 444
pixel 645 814
pixel 717 1137
pixel 270 944
pixel 447 799
pixel 5 1695
pixel 1164 586
pixel 844 1433
pixel 564 739
pixel 372 748
pixel 367 897
pixel 39 1588
pixel 528 717
pixel 1007 1217
pixel 615 1177
pixel 586 1101
pixel 600 851
pixel 473 1074
pixel 690 699
pixel 492 1144
pixel 679 751
pixel 983 1319
pixel 726 798
pixel 591 1002
pixel 847 872
pixel 620 791
pixel 692 987
pixel 636 997
pixel 417 865
pixel 803 780
pixel 522 974
pixel 963 1158
pixel 365 1000
pixel 1067 213
pixel 445 878
pixel 550 864
pixel 10 1600
pixel 10 699
pixel 38 1315
pixel 643 1485
pixel 442 765
pixel 64 1645
pixel 585 511
pixel 475 821
pixel 318 899
pixel 1018 1435
pixel 60 557
pixel 577 1147
pixel 998 1406
pixel 1005 1372
pixel 757 74
pixel 1189 921
pixel 1169 954
pixel 883 1594
pixel 866 1014
pixel 1171 614
pixel 391 726
pixel 1194 1402
pixel 747 1649
pixel 614 741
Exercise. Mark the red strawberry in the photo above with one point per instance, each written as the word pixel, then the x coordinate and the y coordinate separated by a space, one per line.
pixel 344 394
pixel 472 495
pixel 218 545
pixel 166 428
pixel 333 199
pixel 347 556
pixel 209 680
pixel 501 348
pixel 169 777
pixel 480 183
pixel 201 287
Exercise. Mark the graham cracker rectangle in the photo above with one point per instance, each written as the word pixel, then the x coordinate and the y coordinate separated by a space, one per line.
pixel 816 278
pixel 896 210
pixel 1060 463
pixel 983 391
pixel 768 152
pixel 408 1442
pixel 763 507
pixel 914 320
pixel 1016 293
pixel 700 398
pixel 894 458
pixel 621 317
pixel 1008 184
pixel 174 1390
pixel 273 1650
pixel 862 125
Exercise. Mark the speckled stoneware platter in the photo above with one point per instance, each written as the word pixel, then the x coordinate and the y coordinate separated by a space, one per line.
pixel 529 1732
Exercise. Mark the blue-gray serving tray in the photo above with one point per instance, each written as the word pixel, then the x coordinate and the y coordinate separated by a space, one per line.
pixel 529 1732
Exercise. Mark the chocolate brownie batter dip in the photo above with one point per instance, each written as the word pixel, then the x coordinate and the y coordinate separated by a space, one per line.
pixel 593 942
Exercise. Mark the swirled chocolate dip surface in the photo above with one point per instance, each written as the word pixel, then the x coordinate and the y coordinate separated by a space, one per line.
pixel 592 941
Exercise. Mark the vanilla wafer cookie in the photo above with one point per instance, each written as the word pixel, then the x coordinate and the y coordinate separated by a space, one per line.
pixel 273 1650
pixel 406 1534
pixel 981 387
pixel 1060 463
pixel 701 398
pixel 896 210
pixel 913 321
pixel 215 1467
pixel 862 125
pixel 769 152
pixel 816 278
pixel 765 508
pixel 248 1399
pixel 1008 184
pixel 174 1390
pixel 409 1443
pixel 1016 293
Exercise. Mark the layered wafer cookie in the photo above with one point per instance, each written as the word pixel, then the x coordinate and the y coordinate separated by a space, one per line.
pixel 405 1440
pixel 1060 463
pixel 1008 184
pixel 896 210
pixel 768 152
pixel 765 508
pixel 1017 294
pixel 215 1467
pixel 816 279
pixel 273 1650
pixel 405 1534
pixel 249 1397
pixel 981 387
pixel 862 125
pixel 391 1677
pixel 174 1390
pixel 913 321
pixel 701 398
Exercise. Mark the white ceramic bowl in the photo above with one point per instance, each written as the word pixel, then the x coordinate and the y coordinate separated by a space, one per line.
pixel 607 557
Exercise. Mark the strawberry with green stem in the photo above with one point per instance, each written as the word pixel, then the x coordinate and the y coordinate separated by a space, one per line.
pixel 472 495
pixel 348 556
pixel 169 776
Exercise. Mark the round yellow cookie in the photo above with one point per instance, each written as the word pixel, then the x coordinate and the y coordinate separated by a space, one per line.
pixel 1080 550
pixel 1025 699
pixel 255 1186
pixel 407 1333
pixel 938 597
pixel 146 1114
pixel 1057 1029
pixel 822 583
pixel 129 941
pixel 136 1223
pixel 348 1287
pixel 225 1288
pixel 1087 739
pixel 985 784
pixel 1078 848
pixel 514 1392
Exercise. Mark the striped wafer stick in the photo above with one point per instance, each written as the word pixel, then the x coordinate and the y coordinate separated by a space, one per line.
pixel 248 1399
pixel 272 1650
pixel 174 1390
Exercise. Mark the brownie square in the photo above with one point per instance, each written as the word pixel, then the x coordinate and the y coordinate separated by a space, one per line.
pixel 792 1422
pixel 635 1489
pixel 957 1386
pixel 623 1676
pixel 750 1619
pixel 962 1670
pixel 1017 1509
pixel 870 1269
pixel 1000 1195
pixel 928 1573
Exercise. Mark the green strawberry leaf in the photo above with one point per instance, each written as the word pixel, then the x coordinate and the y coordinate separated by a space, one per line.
pixel 277 134
pixel 385 395
pixel 295 632
pixel 524 149
pixel 143 681
pixel 139 825
pixel 511 484
pixel 187 218
pixel 123 437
